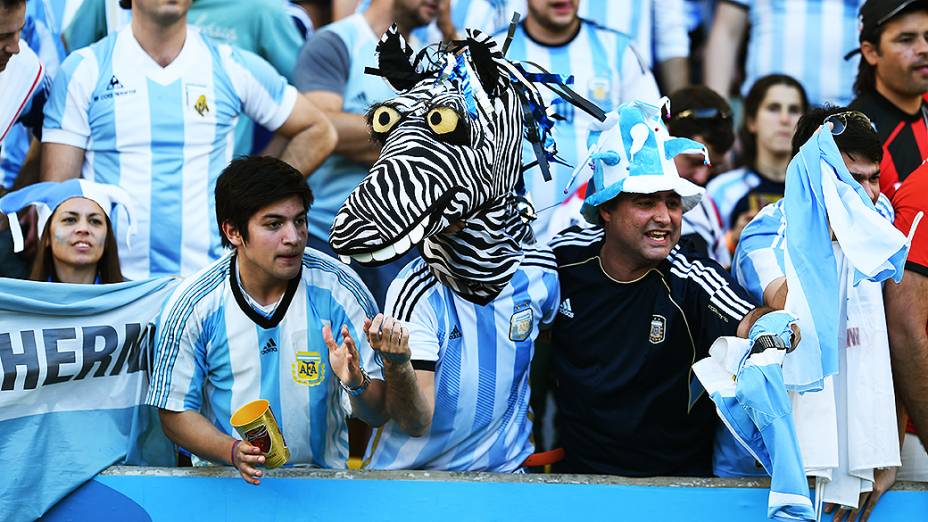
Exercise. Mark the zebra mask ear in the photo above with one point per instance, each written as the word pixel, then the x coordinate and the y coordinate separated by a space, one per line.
pixel 484 55
pixel 395 61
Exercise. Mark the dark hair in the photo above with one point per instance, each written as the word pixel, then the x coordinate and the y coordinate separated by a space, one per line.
pixel 752 101
pixel 10 4
pixel 251 183
pixel 125 4
pixel 43 268
pixel 684 121
pixel 866 73
pixel 858 137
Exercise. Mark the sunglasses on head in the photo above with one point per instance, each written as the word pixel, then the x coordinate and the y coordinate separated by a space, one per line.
pixel 707 113
pixel 839 121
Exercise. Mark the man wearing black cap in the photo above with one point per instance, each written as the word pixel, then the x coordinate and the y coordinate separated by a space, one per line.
pixel 891 81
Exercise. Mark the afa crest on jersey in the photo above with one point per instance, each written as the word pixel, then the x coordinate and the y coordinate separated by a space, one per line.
pixel 308 369
pixel 197 100
pixel 658 329
pixel 599 88
pixel 520 325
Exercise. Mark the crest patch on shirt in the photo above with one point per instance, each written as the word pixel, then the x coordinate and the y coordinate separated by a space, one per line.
pixel 520 325
pixel 197 99
pixel 308 369
pixel 599 89
pixel 658 329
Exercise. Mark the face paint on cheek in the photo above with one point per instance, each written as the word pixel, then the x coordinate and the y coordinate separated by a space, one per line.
pixel 59 236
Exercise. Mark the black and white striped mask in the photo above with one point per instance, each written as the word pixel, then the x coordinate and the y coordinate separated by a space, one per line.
pixel 451 153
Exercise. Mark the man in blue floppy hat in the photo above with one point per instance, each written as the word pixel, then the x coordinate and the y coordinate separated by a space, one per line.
pixel 636 311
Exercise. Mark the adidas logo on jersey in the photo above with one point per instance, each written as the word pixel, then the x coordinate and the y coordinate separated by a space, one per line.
pixel 455 333
pixel 269 346
pixel 565 310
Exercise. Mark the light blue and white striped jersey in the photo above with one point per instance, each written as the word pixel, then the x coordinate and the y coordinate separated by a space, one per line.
pixel 44 37
pixel 806 39
pixel 482 356
pixel 488 16
pixel 658 27
pixel 759 258
pixel 607 71
pixel 164 134
pixel 338 176
pixel 727 189
pixel 214 353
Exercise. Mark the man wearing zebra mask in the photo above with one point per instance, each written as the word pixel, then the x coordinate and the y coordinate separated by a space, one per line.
pixel 636 311
pixel 460 322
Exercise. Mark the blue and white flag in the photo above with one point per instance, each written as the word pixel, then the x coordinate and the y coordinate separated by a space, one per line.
pixel 821 192
pixel 74 362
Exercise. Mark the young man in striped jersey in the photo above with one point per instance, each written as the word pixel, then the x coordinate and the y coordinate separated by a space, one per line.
pixel 153 108
pixel 636 312
pixel 270 320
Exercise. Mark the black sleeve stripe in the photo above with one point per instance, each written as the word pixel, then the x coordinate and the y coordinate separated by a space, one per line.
pixel 420 290
pixel 715 286
pixel 416 279
pixel 723 291
pixel 426 366
pixel 724 286
pixel 586 236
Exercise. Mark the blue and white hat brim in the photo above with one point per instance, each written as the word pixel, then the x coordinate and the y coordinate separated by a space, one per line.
pixel 690 193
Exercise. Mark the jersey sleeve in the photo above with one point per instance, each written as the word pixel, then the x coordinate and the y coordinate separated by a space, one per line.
pixel 408 301
pixel 909 200
pixel 179 371
pixel 323 64
pixel 713 304
pixel 671 39
pixel 759 258
pixel 266 96
pixel 553 299
pixel 66 110
pixel 637 82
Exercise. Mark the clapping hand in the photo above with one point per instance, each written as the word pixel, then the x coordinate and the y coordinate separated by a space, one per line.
pixel 389 337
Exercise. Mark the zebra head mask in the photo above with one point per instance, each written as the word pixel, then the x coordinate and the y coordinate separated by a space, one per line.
pixel 452 143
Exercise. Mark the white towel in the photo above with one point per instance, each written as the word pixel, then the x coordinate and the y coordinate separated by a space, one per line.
pixel 22 76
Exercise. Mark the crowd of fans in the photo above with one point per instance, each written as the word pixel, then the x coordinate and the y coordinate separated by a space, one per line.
pixel 153 100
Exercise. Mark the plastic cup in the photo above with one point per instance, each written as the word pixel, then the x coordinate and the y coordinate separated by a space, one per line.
pixel 255 422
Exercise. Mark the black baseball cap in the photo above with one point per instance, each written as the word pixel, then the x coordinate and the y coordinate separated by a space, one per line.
pixel 875 13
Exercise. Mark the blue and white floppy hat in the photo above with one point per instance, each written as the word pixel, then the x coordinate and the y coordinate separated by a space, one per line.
pixel 634 153
pixel 47 196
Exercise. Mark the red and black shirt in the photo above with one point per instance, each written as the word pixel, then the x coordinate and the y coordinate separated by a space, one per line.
pixel 904 138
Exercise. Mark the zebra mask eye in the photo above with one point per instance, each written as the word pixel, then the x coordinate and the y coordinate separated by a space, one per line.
pixel 447 124
pixel 384 119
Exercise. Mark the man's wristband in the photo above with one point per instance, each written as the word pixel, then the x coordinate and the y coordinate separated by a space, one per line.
pixel 359 389
pixel 235 444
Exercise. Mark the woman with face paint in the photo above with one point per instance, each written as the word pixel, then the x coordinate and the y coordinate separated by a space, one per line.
pixel 77 243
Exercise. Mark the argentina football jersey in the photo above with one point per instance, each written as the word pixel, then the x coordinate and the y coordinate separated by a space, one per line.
pixel 806 39
pixel 282 358
pixel 481 356
pixel 607 71
pixel 164 134
pixel 658 27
